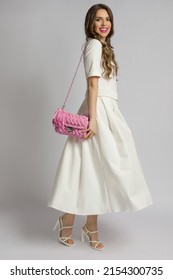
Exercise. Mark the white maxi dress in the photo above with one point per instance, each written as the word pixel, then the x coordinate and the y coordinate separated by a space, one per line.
pixel 102 174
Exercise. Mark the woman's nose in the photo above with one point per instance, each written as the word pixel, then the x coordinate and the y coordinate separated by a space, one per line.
pixel 103 22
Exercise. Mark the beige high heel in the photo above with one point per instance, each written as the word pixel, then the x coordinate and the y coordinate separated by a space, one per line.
pixel 86 238
pixel 59 226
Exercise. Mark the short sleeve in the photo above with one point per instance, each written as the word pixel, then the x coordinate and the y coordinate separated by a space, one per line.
pixel 92 58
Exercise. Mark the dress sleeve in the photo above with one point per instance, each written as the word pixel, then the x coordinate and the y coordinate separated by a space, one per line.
pixel 92 58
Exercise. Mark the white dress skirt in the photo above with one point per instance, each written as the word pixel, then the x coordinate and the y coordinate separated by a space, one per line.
pixel 102 174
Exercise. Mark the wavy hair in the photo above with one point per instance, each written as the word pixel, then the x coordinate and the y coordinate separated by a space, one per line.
pixel 109 63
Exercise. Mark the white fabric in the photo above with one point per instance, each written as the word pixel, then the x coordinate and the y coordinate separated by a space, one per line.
pixel 102 174
pixel 92 58
pixel 92 64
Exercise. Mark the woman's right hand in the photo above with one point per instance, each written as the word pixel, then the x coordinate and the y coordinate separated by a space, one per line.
pixel 91 130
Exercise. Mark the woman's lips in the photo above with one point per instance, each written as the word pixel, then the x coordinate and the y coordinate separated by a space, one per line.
pixel 103 30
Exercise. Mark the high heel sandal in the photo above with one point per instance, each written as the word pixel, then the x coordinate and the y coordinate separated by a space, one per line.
pixel 59 226
pixel 87 238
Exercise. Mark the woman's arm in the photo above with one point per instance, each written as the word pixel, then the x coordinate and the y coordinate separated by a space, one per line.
pixel 92 103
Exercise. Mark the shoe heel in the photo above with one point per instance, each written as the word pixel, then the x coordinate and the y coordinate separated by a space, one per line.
pixel 83 237
pixel 56 225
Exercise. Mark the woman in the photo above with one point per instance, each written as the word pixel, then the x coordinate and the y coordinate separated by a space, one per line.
pixel 101 174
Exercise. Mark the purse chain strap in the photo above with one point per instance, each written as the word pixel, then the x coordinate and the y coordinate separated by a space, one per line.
pixel 72 81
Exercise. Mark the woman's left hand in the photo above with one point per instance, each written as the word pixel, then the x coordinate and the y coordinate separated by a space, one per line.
pixel 91 130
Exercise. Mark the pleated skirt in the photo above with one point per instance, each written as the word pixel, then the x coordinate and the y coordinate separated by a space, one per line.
pixel 102 174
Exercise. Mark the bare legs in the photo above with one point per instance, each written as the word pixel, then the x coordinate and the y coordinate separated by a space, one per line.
pixel 91 225
pixel 68 220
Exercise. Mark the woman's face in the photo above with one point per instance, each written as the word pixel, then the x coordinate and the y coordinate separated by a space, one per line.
pixel 102 24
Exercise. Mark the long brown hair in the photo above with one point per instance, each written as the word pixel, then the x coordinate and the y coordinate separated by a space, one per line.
pixel 108 58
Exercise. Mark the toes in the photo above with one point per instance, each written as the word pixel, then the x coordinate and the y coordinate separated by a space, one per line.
pixel 69 241
pixel 100 246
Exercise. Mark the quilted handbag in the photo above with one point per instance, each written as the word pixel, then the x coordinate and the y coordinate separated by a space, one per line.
pixel 68 123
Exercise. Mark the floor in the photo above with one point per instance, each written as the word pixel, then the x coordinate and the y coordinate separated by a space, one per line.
pixel 26 233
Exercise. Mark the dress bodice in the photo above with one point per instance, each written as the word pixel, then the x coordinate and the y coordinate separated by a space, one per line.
pixel 93 67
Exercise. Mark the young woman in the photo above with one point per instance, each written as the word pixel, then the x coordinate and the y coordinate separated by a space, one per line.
pixel 101 174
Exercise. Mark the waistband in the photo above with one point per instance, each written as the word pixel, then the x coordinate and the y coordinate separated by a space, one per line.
pixel 106 93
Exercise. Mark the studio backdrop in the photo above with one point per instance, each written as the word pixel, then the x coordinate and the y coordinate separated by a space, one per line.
pixel 41 44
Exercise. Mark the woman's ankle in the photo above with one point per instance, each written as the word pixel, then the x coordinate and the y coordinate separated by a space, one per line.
pixel 91 227
pixel 68 219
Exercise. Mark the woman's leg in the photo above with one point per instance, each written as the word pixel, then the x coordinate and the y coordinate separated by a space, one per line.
pixel 67 220
pixel 91 225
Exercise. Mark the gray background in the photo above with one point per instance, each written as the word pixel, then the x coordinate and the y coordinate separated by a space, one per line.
pixel 40 45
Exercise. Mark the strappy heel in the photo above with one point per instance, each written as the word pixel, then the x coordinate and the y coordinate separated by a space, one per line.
pixel 87 238
pixel 59 226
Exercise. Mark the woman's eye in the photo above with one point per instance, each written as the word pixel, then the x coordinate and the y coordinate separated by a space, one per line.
pixel 98 19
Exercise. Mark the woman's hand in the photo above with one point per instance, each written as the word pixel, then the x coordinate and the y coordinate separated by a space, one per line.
pixel 91 130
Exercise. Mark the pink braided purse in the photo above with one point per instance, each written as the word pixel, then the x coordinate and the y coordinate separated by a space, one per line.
pixel 70 124
pixel 67 123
